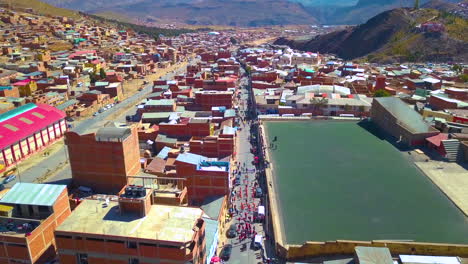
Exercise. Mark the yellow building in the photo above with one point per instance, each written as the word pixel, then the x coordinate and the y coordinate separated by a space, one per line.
pixel 26 87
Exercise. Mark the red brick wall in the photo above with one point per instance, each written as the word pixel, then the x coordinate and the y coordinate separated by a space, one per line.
pixel 439 104
pixel 103 166
pixel 208 100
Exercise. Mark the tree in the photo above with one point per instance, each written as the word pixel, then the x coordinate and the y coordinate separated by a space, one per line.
pixel 233 41
pixel 416 4
pixel 464 77
pixel 92 78
pixel 318 103
pixel 102 73
pixel 347 107
pixel 457 68
pixel 381 93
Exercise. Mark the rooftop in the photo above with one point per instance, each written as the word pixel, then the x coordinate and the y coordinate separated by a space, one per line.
pixel 33 194
pixel 113 133
pixel 163 222
pixel 161 102
pixel 25 120
pixel 407 116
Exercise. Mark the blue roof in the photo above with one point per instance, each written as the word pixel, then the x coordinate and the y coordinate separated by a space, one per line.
pixel 36 73
pixel 211 237
pixel 2 88
pixel 163 153
pixel 227 130
pixel 191 158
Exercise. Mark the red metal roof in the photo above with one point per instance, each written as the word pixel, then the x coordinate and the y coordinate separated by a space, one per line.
pixel 437 139
pixel 21 125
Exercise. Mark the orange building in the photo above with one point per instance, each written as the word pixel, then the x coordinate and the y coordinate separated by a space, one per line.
pixel 213 146
pixel 103 160
pixel 208 99
pixel 220 84
pixel 29 215
pixel 128 229
pixel 205 177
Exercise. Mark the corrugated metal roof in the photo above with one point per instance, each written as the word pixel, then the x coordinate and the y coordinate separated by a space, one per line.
pixel 409 117
pixel 163 153
pixel 41 116
pixel 373 255
pixel 191 158
pixel 33 194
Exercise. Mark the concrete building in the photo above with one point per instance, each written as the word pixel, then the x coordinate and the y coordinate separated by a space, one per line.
pixel 29 215
pixel 129 230
pixel 103 160
pixel 28 129
pixel 395 118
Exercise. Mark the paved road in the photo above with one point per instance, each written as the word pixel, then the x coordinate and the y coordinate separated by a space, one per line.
pixel 55 167
pixel 248 181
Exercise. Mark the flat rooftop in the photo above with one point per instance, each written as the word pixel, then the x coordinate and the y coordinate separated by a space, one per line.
pixel 336 180
pixel 163 222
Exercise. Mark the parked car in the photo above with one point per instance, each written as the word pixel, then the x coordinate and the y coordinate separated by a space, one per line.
pixel 258 192
pixel 9 178
pixel 231 232
pixel 69 119
pixel 237 180
pixel 95 114
pixel 226 252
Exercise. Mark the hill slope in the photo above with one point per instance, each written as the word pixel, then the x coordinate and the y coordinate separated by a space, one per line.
pixel 40 7
pixel 360 12
pixel 393 36
pixel 201 12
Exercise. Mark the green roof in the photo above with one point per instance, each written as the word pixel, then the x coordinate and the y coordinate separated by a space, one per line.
pixel 166 139
pixel 156 115
pixel 16 111
pixel 33 194
pixel 212 206
pixel 67 104
pixel 404 114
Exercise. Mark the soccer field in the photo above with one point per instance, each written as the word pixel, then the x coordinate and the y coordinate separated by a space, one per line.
pixel 335 180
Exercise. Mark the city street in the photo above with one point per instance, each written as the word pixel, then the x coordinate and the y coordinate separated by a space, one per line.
pixel 243 251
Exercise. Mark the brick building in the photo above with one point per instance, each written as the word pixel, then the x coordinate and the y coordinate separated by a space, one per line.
pixel 208 99
pixel 131 230
pixel 28 129
pixel 205 177
pixel 9 91
pixel 213 146
pixel 103 160
pixel 219 85
pixel 187 128
pixel 395 118
pixel 29 215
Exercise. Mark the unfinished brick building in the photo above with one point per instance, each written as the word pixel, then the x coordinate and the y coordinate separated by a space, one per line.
pixel 103 160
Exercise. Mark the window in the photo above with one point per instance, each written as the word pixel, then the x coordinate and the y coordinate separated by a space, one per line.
pixel 133 261
pixel 115 241
pixel 11 127
pixel 44 209
pixel 82 258
pixel 131 244
pixel 94 239
pixel 38 115
pixel 62 236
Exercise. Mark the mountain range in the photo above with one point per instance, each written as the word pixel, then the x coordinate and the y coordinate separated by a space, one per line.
pixel 239 12
pixel 394 36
